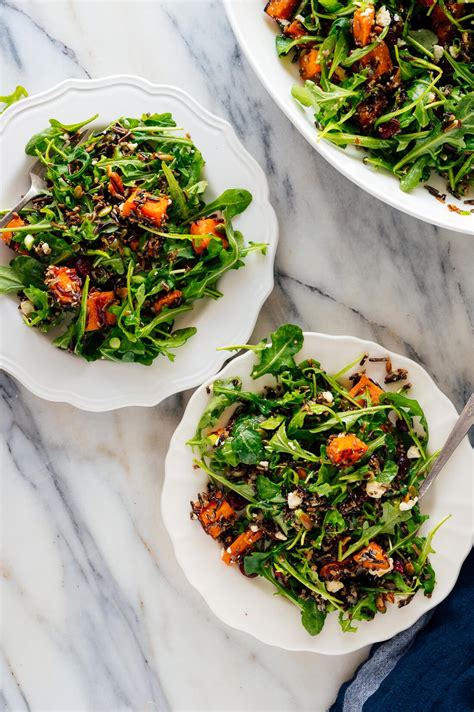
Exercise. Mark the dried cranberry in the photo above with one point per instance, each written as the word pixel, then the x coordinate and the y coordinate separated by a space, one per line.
pixel 402 427
pixel 83 267
pixel 398 566
pixel 235 500
pixel 389 128
pixel 403 464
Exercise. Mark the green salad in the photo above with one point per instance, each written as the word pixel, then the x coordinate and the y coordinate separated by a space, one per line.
pixel 122 242
pixel 395 78
pixel 313 483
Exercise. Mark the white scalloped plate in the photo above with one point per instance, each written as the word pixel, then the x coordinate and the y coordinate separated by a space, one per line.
pixel 103 385
pixel 247 603
pixel 256 32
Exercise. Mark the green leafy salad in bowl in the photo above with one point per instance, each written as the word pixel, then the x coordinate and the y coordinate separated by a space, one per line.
pixel 395 78
pixel 123 241
pixel 313 483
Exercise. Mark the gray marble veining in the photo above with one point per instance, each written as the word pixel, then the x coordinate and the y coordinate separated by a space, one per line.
pixel 96 612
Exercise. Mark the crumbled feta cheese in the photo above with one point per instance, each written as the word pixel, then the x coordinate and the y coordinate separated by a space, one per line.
pixel 382 572
pixel 327 396
pixel 26 307
pixel 396 17
pixel 367 12
pixel 431 97
pixel 253 528
pixel 294 500
pixel 437 51
pixel 29 242
pixel 334 586
pixel 46 248
pixel 375 489
pixel 401 43
pixel 264 464
pixel 281 536
pixel 454 51
pixel 405 506
pixel 383 17
pixel 413 453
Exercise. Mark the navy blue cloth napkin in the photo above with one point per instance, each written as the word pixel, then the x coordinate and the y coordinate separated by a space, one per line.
pixel 427 668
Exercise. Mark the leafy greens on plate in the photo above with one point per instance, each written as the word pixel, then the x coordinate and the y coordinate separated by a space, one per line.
pixel 123 242
pixel 313 483
pixel 394 78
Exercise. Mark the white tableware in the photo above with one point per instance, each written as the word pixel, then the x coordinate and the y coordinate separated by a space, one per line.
pixel 256 32
pixel 103 385
pixel 248 604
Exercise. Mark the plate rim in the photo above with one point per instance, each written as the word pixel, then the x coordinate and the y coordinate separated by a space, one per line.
pixel 310 133
pixel 176 442
pixel 262 288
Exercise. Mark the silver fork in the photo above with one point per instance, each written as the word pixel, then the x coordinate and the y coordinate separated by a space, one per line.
pixel 457 434
pixel 38 185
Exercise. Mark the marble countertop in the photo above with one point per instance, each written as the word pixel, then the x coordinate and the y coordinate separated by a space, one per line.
pixel 96 613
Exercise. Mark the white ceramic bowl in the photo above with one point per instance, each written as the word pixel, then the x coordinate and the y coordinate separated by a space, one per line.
pixel 103 385
pixel 248 604
pixel 256 33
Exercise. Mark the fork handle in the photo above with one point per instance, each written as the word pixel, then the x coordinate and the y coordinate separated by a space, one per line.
pixel 457 434
pixel 29 195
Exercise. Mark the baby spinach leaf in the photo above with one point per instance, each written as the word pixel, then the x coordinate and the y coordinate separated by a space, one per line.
pixel 30 271
pixel 9 280
pixel 247 442
pixel 388 473
pixel 267 489
pixel 312 617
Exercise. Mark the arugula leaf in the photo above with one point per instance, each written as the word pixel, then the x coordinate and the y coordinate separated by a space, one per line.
pixel 234 201
pixel 391 516
pixel 280 443
pixel 19 93
pixel 176 193
pixel 219 402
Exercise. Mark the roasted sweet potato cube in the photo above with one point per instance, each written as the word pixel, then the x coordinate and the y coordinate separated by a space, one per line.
pixel 16 221
pixel 372 557
pixel 281 9
pixel 295 29
pixel 378 60
pixel 145 205
pixel 207 226
pixel 363 24
pixel 64 284
pixel 214 515
pixel 240 546
pixel 365 384
pixel 98 314
pixel 169 300
pixel 345 450
pixel 309 64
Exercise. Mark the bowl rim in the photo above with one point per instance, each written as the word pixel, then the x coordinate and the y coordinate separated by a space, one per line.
pixel 177 443
pixel 262 288
pixel 330 152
